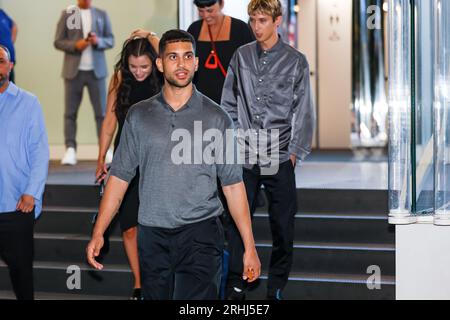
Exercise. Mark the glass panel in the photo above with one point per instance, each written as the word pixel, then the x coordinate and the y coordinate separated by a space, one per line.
pixel 399 109
pixel 442 110
pixel 369 110
pixel 423 174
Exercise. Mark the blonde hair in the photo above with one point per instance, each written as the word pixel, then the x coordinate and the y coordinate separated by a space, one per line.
pixel 272 8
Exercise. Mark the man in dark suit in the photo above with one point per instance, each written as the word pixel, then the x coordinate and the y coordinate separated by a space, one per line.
pixel 83 33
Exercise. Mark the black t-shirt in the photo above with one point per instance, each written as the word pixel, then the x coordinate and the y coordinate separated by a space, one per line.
pixel 210 81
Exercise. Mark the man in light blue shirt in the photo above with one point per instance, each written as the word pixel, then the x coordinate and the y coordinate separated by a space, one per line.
pixel 24 156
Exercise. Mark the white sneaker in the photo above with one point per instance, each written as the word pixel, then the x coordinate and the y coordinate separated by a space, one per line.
pixel 109 156
pixel 70 157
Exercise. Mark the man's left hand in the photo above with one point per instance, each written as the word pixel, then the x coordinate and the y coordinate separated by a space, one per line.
pixel 25 204
pixel 252 266
pixel 294 160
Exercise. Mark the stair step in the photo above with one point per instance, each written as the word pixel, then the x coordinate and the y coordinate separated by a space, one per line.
pixel 339 201
pixel 317 286
pixel 309 200
pixel 309 227
pixel 9 295
pixel 308 256
pixel 348 228
pixel 51 277
pixel 71 195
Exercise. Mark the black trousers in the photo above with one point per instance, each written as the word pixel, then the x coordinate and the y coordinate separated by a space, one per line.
pixel 17 250
pixel 183 263
pixel 281 193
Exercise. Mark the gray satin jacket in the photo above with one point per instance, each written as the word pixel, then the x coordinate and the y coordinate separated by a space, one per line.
pixel 271 90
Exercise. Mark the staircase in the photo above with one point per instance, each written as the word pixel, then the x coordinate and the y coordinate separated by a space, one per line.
pixel 339 234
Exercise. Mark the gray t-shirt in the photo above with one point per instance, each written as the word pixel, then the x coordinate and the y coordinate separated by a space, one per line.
pixel 175 193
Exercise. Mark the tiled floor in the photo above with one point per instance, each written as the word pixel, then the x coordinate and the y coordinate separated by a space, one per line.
pixel 343 175
pixel 322 170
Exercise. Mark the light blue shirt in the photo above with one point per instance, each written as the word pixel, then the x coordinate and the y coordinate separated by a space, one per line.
pixel 24 151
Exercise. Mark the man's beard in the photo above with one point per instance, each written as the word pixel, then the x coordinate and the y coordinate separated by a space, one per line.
pixel 3 79
pixel 172 81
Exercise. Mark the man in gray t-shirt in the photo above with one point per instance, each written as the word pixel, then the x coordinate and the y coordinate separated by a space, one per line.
pixel 169 137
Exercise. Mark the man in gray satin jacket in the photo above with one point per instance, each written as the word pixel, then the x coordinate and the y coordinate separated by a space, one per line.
pixel 83 34
pixel 267 89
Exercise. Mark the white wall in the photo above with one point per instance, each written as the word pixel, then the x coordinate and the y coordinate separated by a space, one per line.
pixel 422 262
pixel 307 42
pixel 189 13
pixel 237 9
pixel 335 73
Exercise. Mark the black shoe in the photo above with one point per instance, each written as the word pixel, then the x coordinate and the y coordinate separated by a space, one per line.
pixel 137 294
pixel 236 294
pixel 274 295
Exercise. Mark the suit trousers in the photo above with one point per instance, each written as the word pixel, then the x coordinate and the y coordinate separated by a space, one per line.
pixel 73 96
pixel 281 195
pixel 17 250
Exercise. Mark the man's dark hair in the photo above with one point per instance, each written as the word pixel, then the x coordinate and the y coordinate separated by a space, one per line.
pixel 206 3
pixel 8 54
pixel 172 36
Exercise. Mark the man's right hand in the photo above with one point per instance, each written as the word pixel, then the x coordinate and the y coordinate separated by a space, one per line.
pixel 93 251
pixel 82 44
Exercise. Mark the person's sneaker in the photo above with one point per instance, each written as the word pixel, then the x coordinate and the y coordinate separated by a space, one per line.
pixel 137 294
pixel 274 295
pixel 70 157
pixel 109 156
pixel 236 294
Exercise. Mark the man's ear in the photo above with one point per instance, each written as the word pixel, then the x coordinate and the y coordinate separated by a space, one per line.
pixel 196 63
pixel 11 65
pixel 278 21
pixel 159 65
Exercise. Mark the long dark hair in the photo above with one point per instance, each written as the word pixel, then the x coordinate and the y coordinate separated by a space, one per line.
pixel 134 47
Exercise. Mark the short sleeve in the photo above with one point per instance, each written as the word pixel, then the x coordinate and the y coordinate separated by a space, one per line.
pixel 229 171
pixel 126 158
